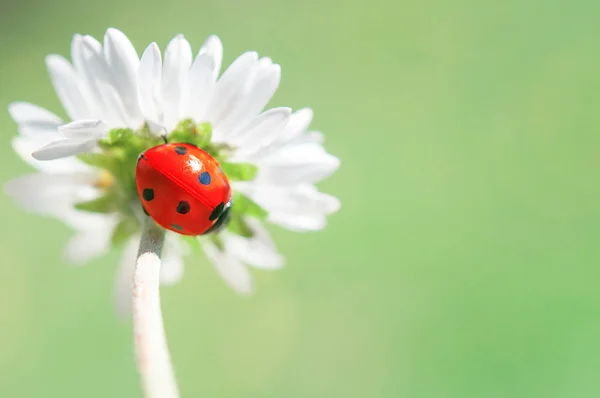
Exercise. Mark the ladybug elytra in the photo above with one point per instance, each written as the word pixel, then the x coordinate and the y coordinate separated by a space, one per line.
pixel 183 188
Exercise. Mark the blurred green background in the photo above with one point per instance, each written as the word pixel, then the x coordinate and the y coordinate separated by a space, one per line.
pixel 464 261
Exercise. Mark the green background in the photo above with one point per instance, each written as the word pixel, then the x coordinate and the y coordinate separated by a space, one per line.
pixel 464 261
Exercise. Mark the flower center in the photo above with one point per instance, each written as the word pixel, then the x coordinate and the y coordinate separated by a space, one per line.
pixel 105 180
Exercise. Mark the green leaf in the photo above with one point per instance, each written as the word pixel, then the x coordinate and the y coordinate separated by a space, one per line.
pixel 239 171
pixel 243 205
pixel 104 204
pixel 123 231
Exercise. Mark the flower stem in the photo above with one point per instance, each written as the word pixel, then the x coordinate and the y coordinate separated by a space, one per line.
pixel 152 353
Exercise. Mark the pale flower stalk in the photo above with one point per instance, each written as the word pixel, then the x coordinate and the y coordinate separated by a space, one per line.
pixel 152 353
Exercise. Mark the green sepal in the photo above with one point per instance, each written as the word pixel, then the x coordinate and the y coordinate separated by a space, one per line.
pixel 216 239
pixel 187 131
pixel 116 137
pixel 238 226
pixel 103 204
pixel 221 152
pixel 123 231
pixel 194 242
pixel 204 136
pixel 243 205
pixel 99 160
pixel 239 171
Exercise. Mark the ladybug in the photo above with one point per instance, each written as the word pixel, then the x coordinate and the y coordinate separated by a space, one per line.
pixel 183 188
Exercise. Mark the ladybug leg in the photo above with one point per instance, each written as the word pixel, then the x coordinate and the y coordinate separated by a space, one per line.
pixel 164 137
pixel 221 222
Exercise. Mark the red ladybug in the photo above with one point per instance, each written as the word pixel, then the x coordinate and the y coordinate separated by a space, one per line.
pixel 183 188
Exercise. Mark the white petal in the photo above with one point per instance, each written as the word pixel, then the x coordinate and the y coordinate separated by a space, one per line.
pixel 34 121
pixel 202 77
pixel 81 60
pixel 99 81
pixel 264 86
pixel 311 137
pixel 178 58
pixel 51 194
pixel 299 208
pixel 68 87
pixel 89 63
pixel 122 62
pixel 294 129
pixel 171 270
pixel 258 251
pixel 55 195
pixel 88 244
pixel 298 124
pixel 149 83
pixel 260 233
pixel 262 130
pixel 231 269
pixel 85 221
pixel 299 223
pixel 157 129
pixel 30 114
pixel 213 48
pixel 84 129
pixel 64 148
pixel 305 163
pixel 77 53
pixel 201 85
pixel 124 282
pixel 40 132
pixel 24 146
pixel 256 95
pixel 228 87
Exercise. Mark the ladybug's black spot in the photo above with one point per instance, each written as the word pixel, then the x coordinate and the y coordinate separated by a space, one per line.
pixel 148 194
pixel 183 207
pixel 217 211
pixel 204 178
pixel 145 211
pixel 181 150
pixel 177 227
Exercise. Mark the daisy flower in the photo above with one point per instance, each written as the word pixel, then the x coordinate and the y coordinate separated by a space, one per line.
pixel 120 104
